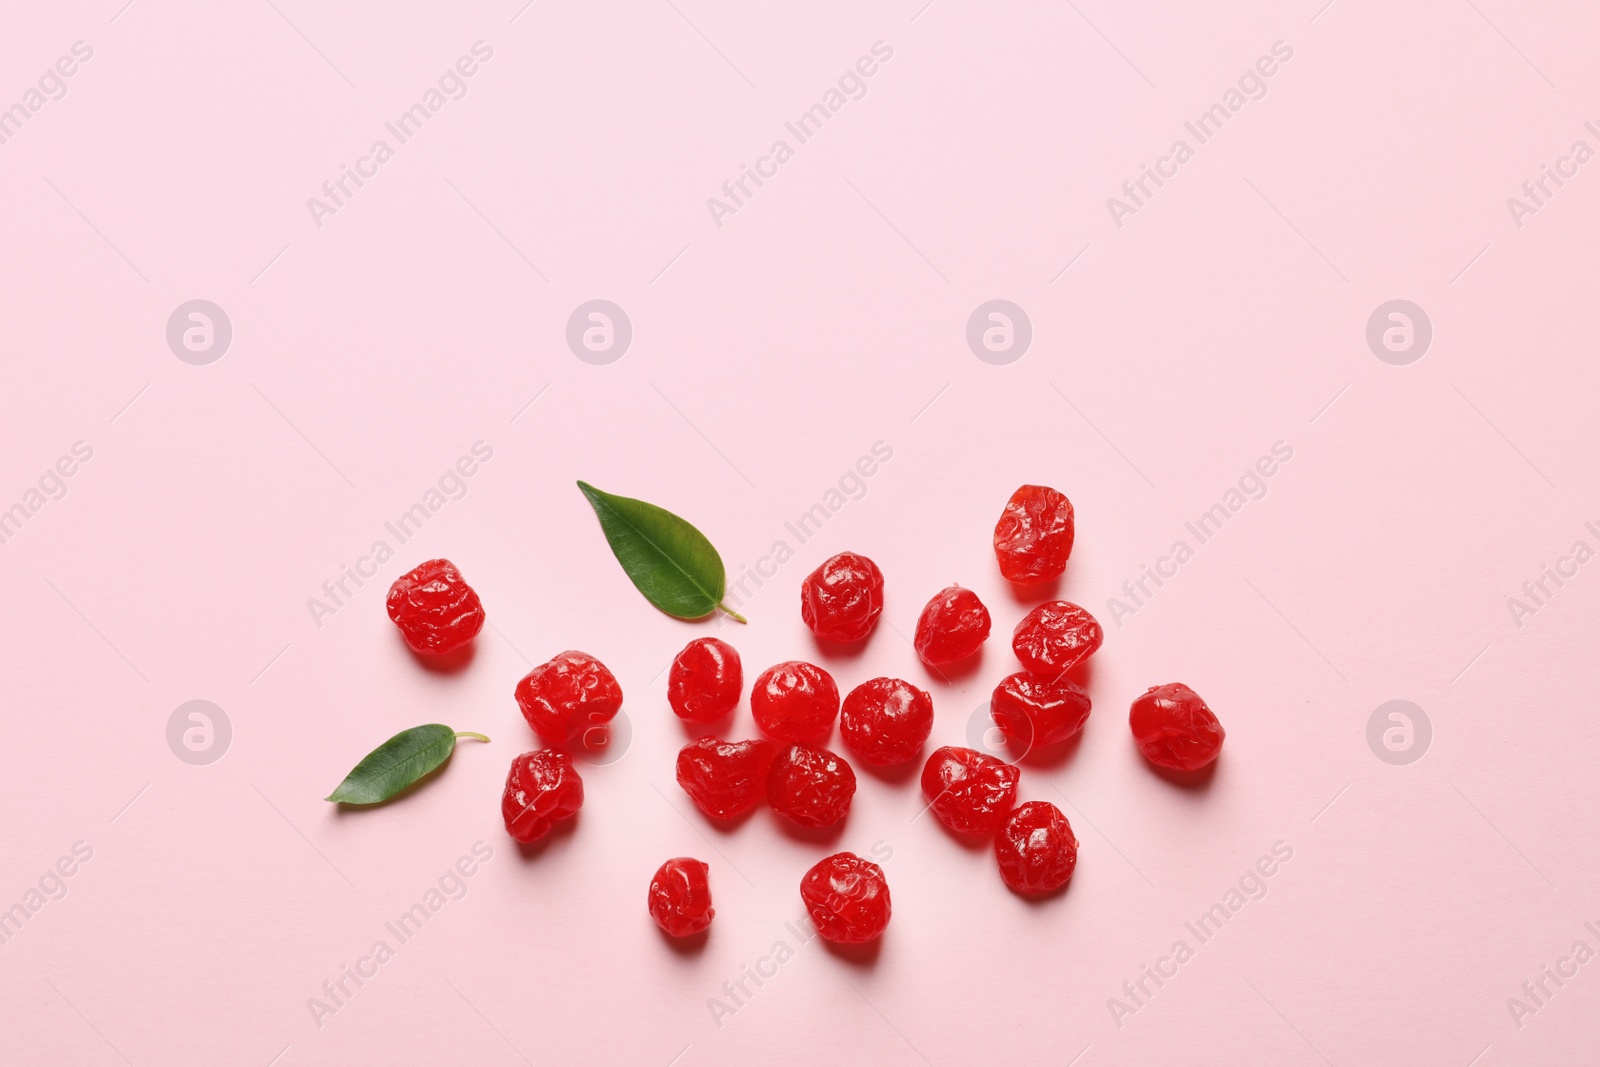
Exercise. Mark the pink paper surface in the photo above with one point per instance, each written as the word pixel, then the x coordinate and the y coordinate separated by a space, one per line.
pixel 785 337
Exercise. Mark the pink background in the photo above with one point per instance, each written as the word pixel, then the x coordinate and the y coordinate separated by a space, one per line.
pixel 828 313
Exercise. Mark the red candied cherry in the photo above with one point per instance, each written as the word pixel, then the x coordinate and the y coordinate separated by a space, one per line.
pixel 847 898
pixel 705 680
pixel 725 779
pixel 795 701
pixel 810 786
pixel 1031 709
pixel 968 791
pixel 680 897
pixel 1035 848
pixel 542 789
pixel 1056 637
pixel 952 626
pixel 1173 727
pixel 842 599
pixel 569 695
pixel 1033 538
pixel 435 608
pixel 885 721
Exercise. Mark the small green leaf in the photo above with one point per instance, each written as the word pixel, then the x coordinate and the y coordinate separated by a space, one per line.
pixel 671 562
pixel 397 763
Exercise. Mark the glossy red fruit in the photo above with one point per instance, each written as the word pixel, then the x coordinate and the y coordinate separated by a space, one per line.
pixel 1036 849
pixel 680 897
pixel 885 721
pixel 951 627
pixel 725 779
pixel 842 599
pixel 1033 710
pixel 1173 727
pixel 847 898
pixel 968 791
pixel 705 680
pixel 1033 538
pixel 795 701
pixel 542 789
pixel 568 696
pixel 810 786
pixel 435 608
pixel 1055 637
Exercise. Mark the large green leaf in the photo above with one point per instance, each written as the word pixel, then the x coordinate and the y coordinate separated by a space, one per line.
pixel 397 763
pixel 671 562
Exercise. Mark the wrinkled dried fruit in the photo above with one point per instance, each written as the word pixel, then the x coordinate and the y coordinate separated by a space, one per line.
pixel 810 786
pixel 847 898
pixel 952 626
pixel 725 779
pixel 1035 848
pixel 542 789
pixel 842 599
pixel 705 680
pixel 885 721
pixel 435 608
pixel 569 696
pixel 795 701
pixel 968 791
pixel 1033 538
pixel 1173 727
pixel 1055 637
pixel 680 897
pixel 1033 710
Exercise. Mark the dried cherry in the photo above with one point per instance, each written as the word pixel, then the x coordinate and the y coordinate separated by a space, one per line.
pixel 1056 637
pixel 725 779
pixel 795 701
pixel 705 680
pixel 542 789
pixel 1035 848
pixel 1033 538
pixel 810 787
pixel 842 599
pixel 567 696
pixel 1033 710
pixel 1174 728
pixel 435 608
pixel 951 627
pixel 847 898
pixel 885 721
pixel 968 791
pixel 680 897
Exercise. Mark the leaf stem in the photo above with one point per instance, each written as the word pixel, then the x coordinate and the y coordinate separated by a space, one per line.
pixel 732 614
pixel 469 733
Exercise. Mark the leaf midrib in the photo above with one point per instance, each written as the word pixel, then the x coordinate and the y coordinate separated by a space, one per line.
pixel 605 502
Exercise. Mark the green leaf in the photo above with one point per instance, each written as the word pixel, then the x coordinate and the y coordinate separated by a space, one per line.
pixel 397 763
pixel 671 562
